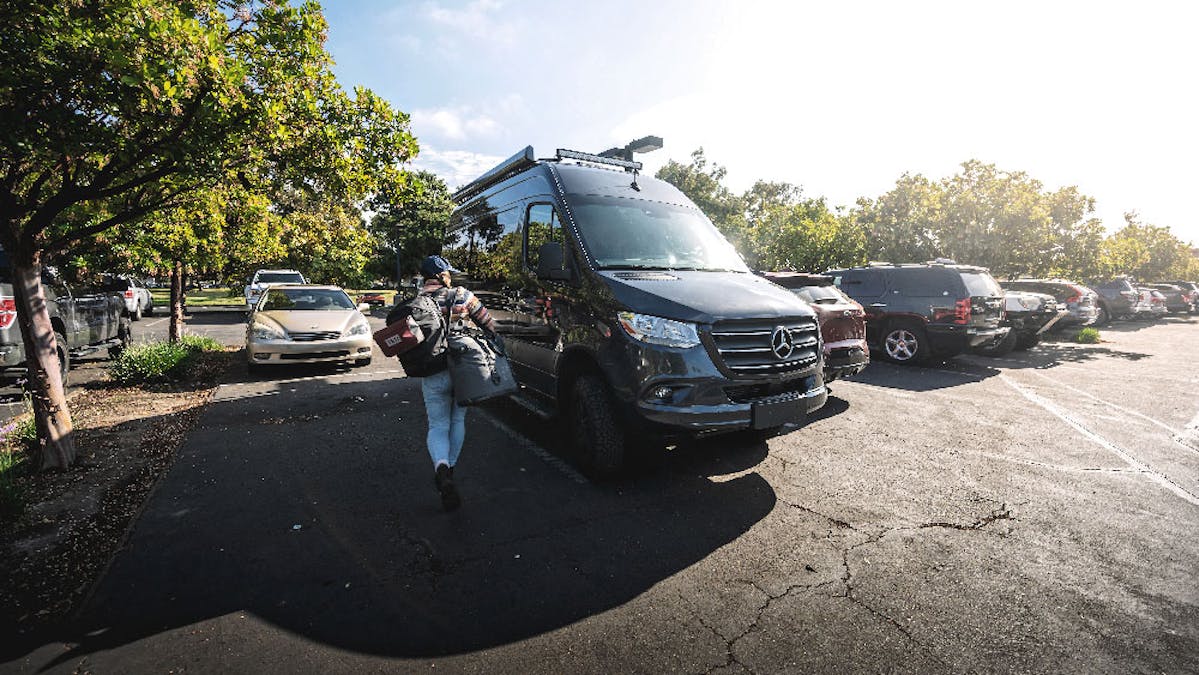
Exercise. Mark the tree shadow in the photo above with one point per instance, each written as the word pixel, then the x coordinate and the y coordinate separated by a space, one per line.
pixel 310 504
pixel 1048 355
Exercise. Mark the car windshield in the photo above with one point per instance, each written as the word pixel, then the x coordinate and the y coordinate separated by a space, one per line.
pixel 980 283
pixel 280 278
pixel 819 295
pixel 314 299
pixel 635 234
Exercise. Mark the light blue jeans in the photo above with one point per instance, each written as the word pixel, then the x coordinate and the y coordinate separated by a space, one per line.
pixel 447 419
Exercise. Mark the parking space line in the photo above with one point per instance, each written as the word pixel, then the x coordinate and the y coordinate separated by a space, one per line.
pixel 1102 442
pixel 1174 435
pixel 544 455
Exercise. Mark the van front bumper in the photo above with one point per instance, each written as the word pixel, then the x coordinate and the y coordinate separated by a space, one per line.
pixel 670 391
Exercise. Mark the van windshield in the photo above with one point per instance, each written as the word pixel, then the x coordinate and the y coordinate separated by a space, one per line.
pixel 633 234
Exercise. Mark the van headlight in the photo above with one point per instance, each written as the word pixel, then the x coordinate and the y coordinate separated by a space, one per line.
pixel 357 329
pixel 658 331
pixel 261 331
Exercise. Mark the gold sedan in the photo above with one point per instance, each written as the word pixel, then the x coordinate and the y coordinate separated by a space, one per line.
pixel 307 324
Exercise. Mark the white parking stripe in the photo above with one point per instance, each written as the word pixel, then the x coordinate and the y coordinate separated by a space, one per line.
pixel 1190 436
pixel 1174 435
pixel 544 455
pixel 1102 442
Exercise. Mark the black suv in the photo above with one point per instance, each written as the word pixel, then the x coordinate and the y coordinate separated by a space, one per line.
pixel 916 312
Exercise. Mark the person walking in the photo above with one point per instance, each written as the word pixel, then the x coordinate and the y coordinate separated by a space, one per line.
pixel 447 419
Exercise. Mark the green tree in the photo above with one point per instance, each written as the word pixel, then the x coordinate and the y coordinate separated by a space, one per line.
pixel 411 220
pixel 703 184
pixel 899 225
pixel 1146 252
pixel 116 109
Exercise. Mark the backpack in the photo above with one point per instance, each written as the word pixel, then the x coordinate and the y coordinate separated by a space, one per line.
pixel 429 356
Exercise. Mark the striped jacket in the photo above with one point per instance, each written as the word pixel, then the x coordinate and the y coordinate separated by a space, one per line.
pixel 465 304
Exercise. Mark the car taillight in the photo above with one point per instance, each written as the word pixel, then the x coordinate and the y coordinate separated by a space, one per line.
pixel 8 312
pixel 1077 294
pixel 961 311
pixel 129 293
pixel 1131 295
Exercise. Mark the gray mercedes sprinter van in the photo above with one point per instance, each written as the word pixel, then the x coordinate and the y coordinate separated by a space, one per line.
pixel 624 309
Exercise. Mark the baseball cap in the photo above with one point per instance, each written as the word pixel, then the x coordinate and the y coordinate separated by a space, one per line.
pixel 434 265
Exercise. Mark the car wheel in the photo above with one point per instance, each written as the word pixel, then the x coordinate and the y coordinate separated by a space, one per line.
pixel 599 440
pixel 905 342
pixel 137 313
pixel 1001 348
pixel 1028 341
pixel 149 308
pixel 1102 317
pixel 125 336
pixel 64 356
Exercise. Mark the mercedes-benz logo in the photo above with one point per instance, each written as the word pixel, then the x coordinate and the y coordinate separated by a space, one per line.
pixel 781 343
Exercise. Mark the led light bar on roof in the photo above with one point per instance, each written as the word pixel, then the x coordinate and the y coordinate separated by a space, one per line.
pixel 588 157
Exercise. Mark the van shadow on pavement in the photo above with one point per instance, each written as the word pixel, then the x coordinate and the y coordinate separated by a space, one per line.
pixel 310 504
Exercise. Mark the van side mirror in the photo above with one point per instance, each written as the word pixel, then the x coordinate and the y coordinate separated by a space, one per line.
pixel 550 258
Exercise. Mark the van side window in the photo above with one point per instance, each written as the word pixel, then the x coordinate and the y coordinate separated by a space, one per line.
pixel 543 226
pixel 496 244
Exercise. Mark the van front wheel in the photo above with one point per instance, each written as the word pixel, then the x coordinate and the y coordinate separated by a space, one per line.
pixel 599 438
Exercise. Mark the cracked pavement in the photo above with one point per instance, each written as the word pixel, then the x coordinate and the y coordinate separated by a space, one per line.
pixel 1032 513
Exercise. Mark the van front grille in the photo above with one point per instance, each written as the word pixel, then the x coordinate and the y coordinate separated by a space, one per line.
pixel 747 346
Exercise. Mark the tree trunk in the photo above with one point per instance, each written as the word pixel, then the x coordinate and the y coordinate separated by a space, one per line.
pixel 176 329
pixel 56 441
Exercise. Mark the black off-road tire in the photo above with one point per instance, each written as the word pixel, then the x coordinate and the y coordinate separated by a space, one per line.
pixel 64 356
pixel 914 338
pixel 1102 318
pixel 1001 348
pixel 149 311
pixel 599 440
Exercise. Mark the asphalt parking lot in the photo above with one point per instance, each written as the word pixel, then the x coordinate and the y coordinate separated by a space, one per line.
pixel 1032 513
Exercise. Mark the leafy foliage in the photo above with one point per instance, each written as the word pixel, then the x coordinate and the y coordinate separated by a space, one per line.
pixel 410 222
pixel 1089 336
pixel 159 361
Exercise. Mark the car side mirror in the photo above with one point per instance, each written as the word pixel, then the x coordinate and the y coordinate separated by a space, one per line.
pixel 363 307
pixel 550 257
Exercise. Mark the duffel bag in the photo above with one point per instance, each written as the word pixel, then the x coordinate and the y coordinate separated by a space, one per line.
pixel 479 370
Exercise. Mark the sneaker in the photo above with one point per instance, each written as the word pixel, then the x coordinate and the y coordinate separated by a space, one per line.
pixel 444 479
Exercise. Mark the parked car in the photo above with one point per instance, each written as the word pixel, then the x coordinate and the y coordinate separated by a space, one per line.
pixel 373 298
pixel 1191 290
pixel 85 320
pixel 138 301
pixel 842 321
pixel 915 312
pixel 1028 316
pixel 1157 302
pixel 1118 299
pixel 1177 300
pixel 1081 302
pixel 307 324
pixel 263 279
pixel 625 310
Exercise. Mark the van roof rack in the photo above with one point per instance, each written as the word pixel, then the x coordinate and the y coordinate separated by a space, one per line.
pixel 505 169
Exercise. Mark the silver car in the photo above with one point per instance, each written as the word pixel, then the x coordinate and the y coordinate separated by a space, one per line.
pixel 307 324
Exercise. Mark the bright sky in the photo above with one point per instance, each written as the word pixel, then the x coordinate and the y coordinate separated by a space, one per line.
pixel 841 98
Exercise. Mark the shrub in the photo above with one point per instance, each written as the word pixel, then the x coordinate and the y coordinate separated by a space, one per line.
pixel 1088 336
pixel 160 361
pixel 16 438
pixel 200 343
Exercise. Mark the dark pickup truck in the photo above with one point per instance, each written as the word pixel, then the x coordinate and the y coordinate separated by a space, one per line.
pixel 85 321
